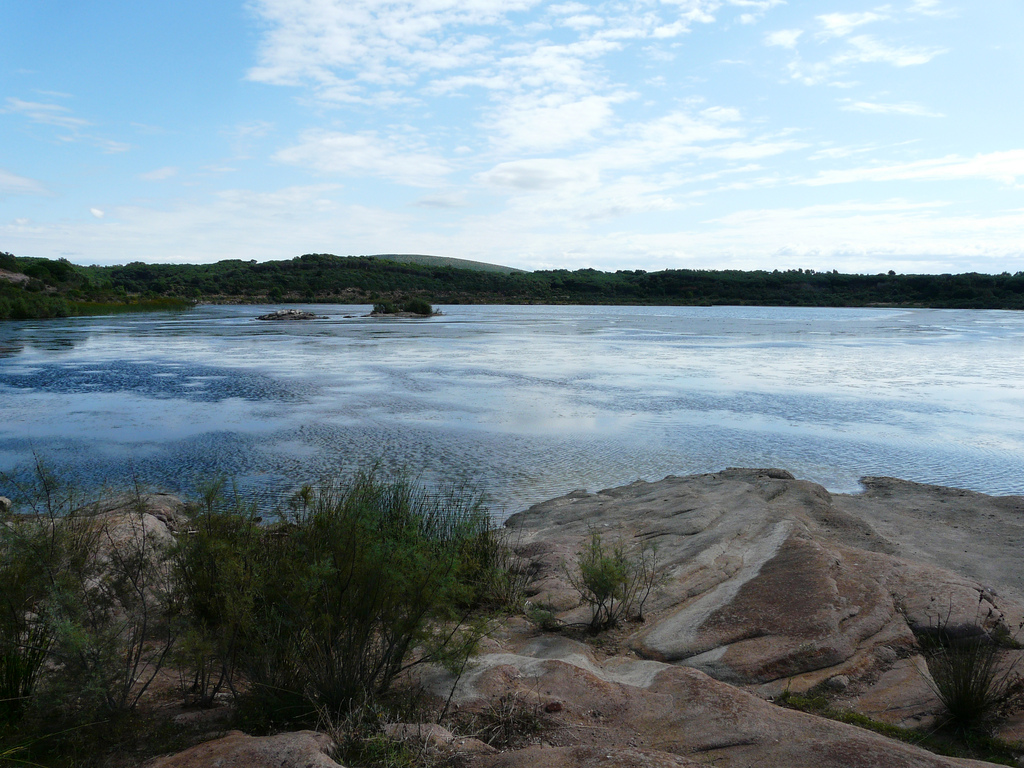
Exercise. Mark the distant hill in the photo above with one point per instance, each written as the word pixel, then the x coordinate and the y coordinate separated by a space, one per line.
pixel 445 261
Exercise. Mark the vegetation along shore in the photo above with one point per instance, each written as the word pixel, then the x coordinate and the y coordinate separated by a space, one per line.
pixel 736 618
pixel 34 287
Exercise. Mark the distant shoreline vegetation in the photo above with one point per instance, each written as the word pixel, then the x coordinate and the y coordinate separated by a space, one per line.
pixel 35 287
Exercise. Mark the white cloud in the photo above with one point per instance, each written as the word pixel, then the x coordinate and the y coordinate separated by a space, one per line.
pixel 532 123
pixel 785 38
pixel 758 8
pixel 365 154
pixel 583 21
pixel 12 184
pixel 61 117
pixel 97 213
pixel 842 24
pixel 1005 167
pixel 875 108
pixel 160 174
pixel 753 150
pixel 531 175
pixel 444 201
pixel 340 46
pixel 46 114
pixel 929 8
pixel 867 49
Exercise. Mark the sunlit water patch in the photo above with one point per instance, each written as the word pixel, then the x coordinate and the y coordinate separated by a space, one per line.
pixel 523 402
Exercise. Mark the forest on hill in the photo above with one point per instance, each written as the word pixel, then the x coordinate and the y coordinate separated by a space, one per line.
pixel 50 288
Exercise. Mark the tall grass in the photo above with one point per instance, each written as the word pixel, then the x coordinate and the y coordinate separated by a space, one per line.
pixel 322 611
pixel 968 671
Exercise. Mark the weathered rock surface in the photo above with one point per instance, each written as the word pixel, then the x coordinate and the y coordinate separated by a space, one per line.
pixel 5 505
pixel 768 580
pixel 291 314
pixel 622 711
pixel 301 749
pixel 970 533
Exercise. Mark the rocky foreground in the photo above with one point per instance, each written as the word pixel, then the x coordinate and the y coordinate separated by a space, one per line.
pixel 768 584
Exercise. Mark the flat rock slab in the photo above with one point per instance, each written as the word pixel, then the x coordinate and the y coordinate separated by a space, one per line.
pixel 768 580
pixel 621 711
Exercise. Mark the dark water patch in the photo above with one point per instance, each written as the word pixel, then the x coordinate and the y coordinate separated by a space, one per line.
pixel 152 379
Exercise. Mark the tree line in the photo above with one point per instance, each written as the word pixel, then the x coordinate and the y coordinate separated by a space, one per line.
pixel 56 288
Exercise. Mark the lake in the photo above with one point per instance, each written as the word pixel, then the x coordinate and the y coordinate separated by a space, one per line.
pixel 523 402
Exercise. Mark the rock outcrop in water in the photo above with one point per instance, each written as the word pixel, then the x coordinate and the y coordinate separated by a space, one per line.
pixel 291 314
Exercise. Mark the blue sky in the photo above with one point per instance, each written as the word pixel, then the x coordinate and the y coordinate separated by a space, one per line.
pixel 617 135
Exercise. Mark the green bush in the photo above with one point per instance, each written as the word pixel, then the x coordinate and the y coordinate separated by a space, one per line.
pixel 217 569
pixel 329 605
pixel 85 625
pixel 385 308
pixel 418 306
pixel 614 581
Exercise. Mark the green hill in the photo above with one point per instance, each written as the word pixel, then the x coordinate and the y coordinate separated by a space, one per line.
pixel 445 261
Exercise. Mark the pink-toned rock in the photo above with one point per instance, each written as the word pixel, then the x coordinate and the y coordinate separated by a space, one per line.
pixel 633 712
pixel 302 749
pixel 767 579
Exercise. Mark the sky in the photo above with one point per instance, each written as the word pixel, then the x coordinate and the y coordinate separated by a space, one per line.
pixel 630 134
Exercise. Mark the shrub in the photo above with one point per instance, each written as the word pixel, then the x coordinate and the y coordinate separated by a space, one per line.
pixel 357 583
pixel 82 604
pixel 967 669
pixel 614 581
pixel 385 308
pixel 418 306
pixel 217 570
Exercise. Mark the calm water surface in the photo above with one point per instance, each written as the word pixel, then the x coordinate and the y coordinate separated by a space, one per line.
pixel 524 402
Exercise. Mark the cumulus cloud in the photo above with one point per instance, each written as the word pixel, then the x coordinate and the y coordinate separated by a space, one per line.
pixel 756 9
pixel 542 123
pixel 541 174
pixel 785 38
pixel 340 46
pixel 365 154
pixel 842 24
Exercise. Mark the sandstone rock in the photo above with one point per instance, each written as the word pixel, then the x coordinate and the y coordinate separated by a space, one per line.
pixel 302 749
pixel 620 711
pixel 838 683
pixel 768 581
pixel 972 534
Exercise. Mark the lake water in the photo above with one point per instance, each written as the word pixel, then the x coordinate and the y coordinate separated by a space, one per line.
pixel 523 402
